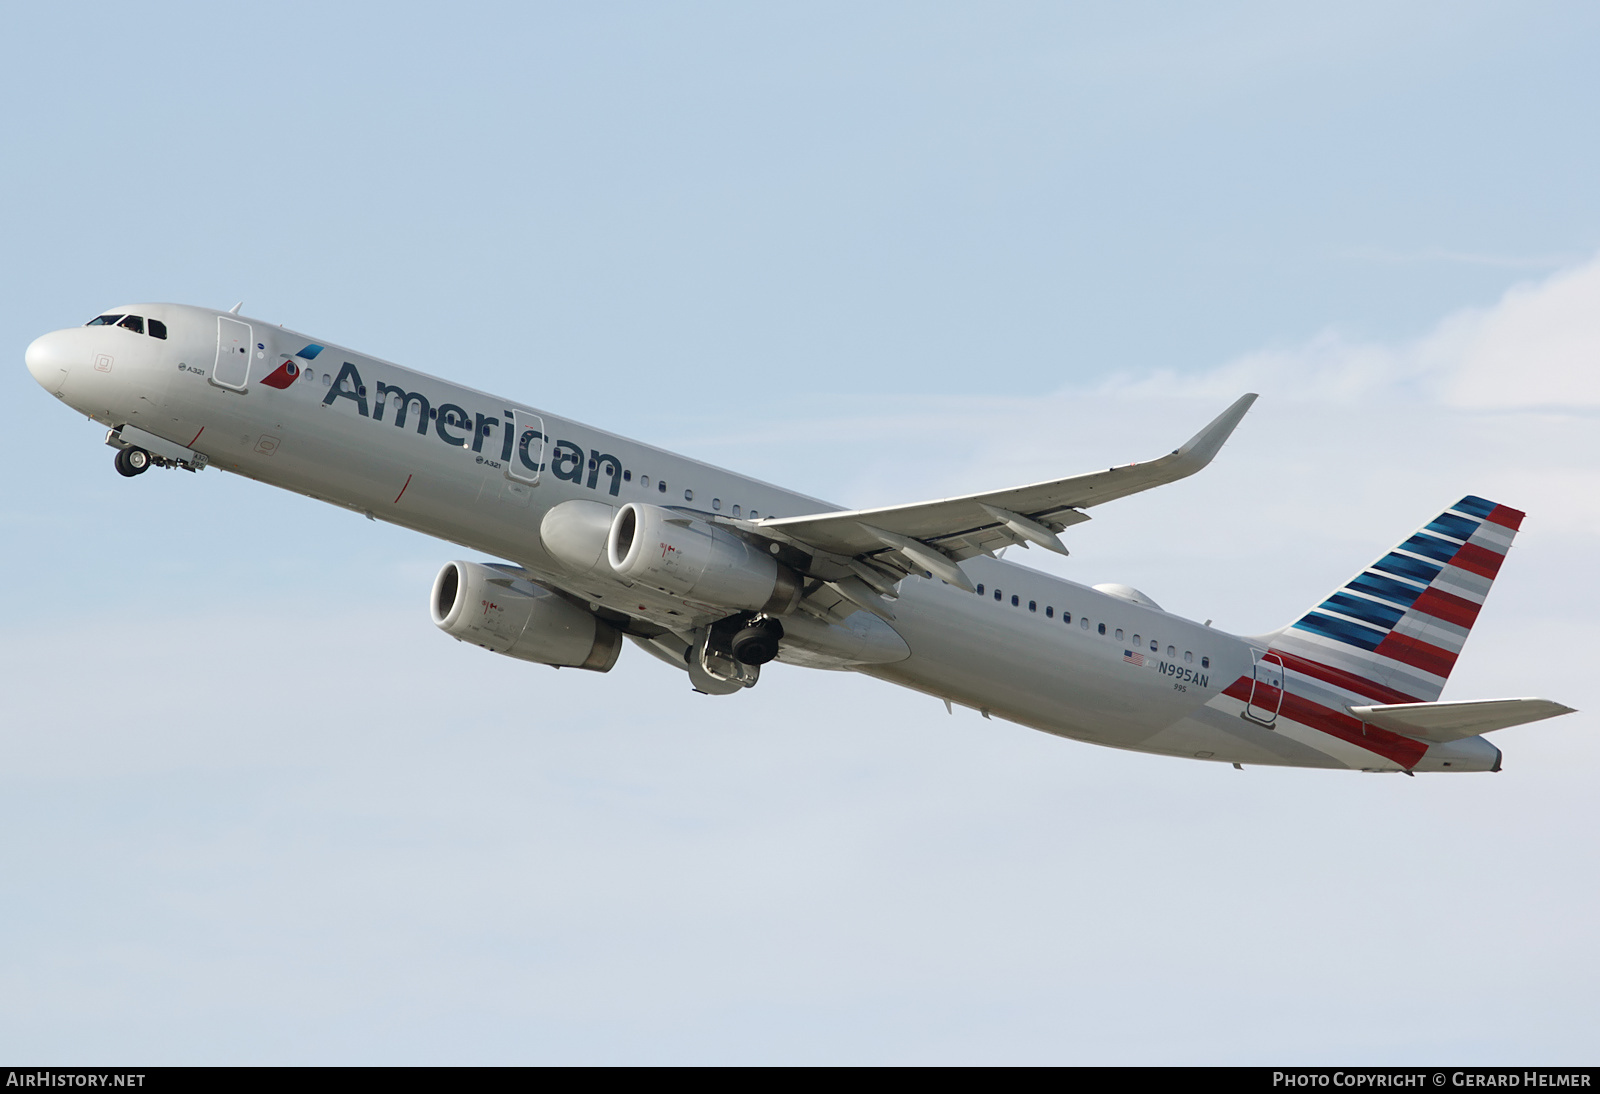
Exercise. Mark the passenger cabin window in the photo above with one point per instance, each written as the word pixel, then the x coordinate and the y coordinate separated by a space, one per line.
pixel 1119 635
pixel 644 481
pixel 716 503
pixel 1066 616
pixel 1049 612
pixel 1102 628
pixel 1014 600
pixel 1135 638
pixel 103 321
pixel 1033 605
pixel 1188 657
pixel 736 512
pixel 1172 651
pixel 158 329
pixel 661 487
pixel 997 594
pixel 1084 622
pixel 1153 645
pixel 1205 662
pixel 133 323
pixel 980 588
pixel 688 495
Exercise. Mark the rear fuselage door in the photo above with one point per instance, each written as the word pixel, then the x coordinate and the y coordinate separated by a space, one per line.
pixel 1266 690
pixel 232 369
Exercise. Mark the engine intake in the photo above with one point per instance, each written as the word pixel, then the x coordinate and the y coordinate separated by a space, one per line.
pixel 693 558
pixel 498 608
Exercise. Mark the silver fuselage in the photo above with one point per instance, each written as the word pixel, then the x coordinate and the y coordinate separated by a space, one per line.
pixel 1008 652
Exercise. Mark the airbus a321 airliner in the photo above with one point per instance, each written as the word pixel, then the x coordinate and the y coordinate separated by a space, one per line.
pixel 717 574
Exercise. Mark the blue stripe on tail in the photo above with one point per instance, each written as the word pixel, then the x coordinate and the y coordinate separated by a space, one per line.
pixel 1341 630
pixel 1395 592
pixel 1421 572
pixel 1368 611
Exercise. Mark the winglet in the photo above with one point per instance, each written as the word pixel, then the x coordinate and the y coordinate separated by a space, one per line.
pixel 1204 445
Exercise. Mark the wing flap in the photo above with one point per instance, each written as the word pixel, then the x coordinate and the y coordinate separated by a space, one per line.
pixel 1444 722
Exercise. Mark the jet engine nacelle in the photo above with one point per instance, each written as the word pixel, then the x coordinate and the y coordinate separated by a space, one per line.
pixel 693 558
pixel 574 533
pixel 501 610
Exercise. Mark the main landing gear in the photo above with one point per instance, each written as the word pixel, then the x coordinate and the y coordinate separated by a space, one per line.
pixel 132 461
pixel 757 642
pixel 728 655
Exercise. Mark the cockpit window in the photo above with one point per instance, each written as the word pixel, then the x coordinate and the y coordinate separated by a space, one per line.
pixel 135 323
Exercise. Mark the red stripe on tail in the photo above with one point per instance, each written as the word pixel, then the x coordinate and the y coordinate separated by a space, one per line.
pixel 1507 517
pixel 1340 678
pixel 1416 653
pixel 1450 608
pixel 1391 746
pixel 1478 560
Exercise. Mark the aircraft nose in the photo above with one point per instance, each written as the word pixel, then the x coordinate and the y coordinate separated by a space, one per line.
pixel 48 357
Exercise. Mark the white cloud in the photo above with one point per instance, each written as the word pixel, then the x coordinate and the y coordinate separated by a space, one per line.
pixel 1536 347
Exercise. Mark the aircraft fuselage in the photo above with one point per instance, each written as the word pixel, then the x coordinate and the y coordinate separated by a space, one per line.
pixel 408 448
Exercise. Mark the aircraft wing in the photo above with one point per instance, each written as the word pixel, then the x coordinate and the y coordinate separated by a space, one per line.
pixel 1442 722
pixel 933 535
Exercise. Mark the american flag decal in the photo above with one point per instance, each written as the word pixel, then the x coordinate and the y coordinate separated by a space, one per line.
pixel 1133 658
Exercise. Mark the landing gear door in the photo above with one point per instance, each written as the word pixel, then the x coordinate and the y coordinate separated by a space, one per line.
pixel 233 354
pixel 527 447
pixel 1266 690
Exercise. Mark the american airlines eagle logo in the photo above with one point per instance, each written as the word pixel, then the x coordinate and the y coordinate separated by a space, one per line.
pixel 288 372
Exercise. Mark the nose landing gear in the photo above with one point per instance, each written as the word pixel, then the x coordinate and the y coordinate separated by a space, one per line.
pixel 137 451
pixel 132 461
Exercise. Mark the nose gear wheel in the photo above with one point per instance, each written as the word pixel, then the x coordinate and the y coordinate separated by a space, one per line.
pixel 132 461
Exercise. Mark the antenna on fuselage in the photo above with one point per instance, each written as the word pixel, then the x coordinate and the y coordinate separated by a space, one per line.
pixel 235 309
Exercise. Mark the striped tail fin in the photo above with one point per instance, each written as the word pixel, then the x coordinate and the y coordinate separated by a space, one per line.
pixel 1393 631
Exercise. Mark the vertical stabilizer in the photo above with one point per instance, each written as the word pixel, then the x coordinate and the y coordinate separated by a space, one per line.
pixel 1392 633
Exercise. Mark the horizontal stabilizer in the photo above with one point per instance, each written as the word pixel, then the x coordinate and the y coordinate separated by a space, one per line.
pixel 1442 722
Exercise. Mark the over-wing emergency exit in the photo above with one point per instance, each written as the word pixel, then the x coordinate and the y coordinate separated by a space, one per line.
pixel 599 538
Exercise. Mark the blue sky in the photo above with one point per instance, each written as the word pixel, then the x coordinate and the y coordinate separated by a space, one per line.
pixel 254 808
